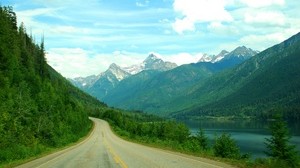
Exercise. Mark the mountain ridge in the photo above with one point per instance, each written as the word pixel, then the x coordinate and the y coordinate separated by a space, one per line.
pixel 248 89
pixel 100 85
pixel 161 87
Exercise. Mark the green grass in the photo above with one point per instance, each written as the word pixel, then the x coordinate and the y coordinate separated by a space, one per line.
pixel 40 151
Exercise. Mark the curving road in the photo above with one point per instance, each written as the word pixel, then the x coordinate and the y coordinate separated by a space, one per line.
pixel 104 149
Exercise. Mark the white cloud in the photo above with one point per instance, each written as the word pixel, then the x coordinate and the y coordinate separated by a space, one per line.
pixel 28 16
pixel 271 18
pixel 75 62
pixel 261 42
pixel 70 62
pixel 182 25
pixel 142 4
pixel 262 3
pixel 221 29
pixel 183 58
pixel 198 11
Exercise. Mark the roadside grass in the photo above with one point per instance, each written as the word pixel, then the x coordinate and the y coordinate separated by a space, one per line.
pixel 176 147
pixel 44 151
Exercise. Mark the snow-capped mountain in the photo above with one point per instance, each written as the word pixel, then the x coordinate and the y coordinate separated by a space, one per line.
pixel 117 72
pixel 206 58
pixel 82 82
pixel 152 62
pixel 241 53
pixel 134 69
pixel 100 85
pixel 220 56
pixel 213 58
pixel 107 81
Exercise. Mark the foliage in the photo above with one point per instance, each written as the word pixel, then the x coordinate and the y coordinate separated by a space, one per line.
pixel 39 109
pixel 151 129
pixel 226 147
pixel 202 139
pixel 278 144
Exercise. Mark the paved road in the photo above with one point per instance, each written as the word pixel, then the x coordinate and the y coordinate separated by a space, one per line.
pixel 104 149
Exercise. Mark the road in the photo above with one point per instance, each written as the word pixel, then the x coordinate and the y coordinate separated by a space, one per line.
pixel 104 149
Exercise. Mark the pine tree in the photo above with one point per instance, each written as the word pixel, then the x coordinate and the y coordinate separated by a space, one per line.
pixel 278 144
pixel 202 139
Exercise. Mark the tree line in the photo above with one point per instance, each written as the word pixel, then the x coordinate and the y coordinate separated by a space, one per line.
pixel 151 129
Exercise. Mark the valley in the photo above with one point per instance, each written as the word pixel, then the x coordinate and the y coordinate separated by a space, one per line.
pixel 85 94
pixel 241 83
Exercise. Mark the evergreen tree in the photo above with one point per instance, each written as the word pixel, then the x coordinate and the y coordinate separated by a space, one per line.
pixel 202 139
pixel 278 144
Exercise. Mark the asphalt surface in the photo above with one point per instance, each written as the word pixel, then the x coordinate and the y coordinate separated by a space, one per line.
pixel 104 149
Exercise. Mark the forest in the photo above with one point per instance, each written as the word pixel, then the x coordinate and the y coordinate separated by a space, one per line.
pixel 39 109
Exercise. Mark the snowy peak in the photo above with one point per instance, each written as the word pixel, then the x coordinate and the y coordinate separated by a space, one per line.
pixel 113 66
pixel 83 82
pixel 151 58
pixel 220 56
pixel 206 58
pixel 242 51
pixel 213 58
pixel 117 71
pixel 152 62
pixel 134 69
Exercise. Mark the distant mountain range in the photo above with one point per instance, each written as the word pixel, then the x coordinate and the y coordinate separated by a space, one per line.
pixel 243 82
pixel 151 91
pixel 100 85
pixel 147 86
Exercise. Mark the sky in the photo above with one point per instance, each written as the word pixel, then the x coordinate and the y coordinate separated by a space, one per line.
pixel 83 37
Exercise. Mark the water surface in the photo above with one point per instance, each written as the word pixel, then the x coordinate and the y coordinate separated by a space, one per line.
pixel 249 135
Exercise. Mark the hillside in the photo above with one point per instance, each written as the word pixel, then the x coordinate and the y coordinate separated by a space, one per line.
pixel 39 109
pixel 157 90
pixel 269 80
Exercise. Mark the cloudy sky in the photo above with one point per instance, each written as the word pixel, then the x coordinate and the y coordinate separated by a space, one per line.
pixel 83 37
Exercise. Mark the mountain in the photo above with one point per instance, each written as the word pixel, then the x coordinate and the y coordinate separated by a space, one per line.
pixel 221 55
pixel 238 85
pixel 106 81
pixel 149 91
pixel 84 82
pixel 254 88
pixel 213 58
pixel 100 85
pixel 152 62
pixel 236 56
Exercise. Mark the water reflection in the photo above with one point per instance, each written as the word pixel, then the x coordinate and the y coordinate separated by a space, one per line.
pixel 249 135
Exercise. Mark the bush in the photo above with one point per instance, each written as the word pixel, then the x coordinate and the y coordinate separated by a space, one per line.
pixel 226 147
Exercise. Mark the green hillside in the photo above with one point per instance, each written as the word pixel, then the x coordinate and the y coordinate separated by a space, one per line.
pixel 39 109
pixel 268 80
pixel 150 90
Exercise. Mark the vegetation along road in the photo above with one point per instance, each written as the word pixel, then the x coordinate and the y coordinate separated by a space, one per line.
pixel 104 149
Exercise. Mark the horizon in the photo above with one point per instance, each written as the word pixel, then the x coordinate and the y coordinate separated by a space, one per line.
pixel 83 39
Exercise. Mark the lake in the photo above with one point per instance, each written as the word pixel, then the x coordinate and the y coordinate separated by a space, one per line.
pixel 249 135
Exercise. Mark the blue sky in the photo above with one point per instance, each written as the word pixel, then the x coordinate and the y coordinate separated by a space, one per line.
pixel 83 37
